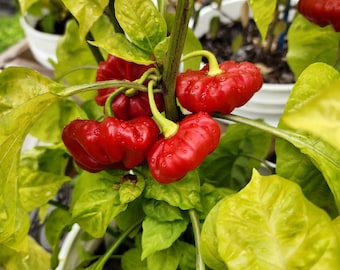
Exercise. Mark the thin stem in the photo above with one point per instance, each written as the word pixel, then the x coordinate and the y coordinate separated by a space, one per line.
pixel 197 236
pixel 168 127
pixel 103 259
pixel 108 103
pixel 77 89
pixel 214 68
pixel 171 65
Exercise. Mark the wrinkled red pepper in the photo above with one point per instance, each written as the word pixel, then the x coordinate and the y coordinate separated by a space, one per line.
pixel 198 91
pixel 170 159
pixel 125 107
pixel 112 143
pixel 321 12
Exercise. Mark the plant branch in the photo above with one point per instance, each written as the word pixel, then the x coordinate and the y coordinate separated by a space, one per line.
pixel 197 232
pixel 172 61
pixel 77 89
pixel 103 259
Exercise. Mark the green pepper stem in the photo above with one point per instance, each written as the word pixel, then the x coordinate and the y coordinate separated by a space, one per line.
pixel 168 127
pixel 103 259
pixel 214 68
pixel 197 232
pixel 108 103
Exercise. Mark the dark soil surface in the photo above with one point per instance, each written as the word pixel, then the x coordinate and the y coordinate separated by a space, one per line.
pixel 274 66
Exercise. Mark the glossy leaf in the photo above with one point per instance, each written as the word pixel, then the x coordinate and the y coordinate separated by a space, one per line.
pixel 86 12
pixel 142 23
pixel 183 194
pixel 318 115
pixel 312 84
pixel 167 259
pixel 271 225
pixel 161 211
pixel 121 47
pixel 96 203
pixel 263 13
pixel 159 236
pixel 309 43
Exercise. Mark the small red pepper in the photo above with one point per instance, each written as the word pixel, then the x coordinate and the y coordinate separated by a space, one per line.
pixel 321 12
pixel 222 91
pixel 125 107
pixel 112 143
pixel 170 159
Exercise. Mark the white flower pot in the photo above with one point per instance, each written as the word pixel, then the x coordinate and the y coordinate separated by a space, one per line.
pixel 43 45
pixel 268 103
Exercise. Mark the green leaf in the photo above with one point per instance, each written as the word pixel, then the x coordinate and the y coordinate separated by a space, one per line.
pixel 118 45
pixel 209 241
pixel 161 211
pixel 296 166
pixel 49 158
pixel 96 203
pixel 324 111
pixel 211 195
pixel 308 43
pixel 36 257
pixel 183 194
pixel 131 260
pixel 167 259
pixel 241 149
pixel 130 190
pixel 29 94
pixel 49 126
pixel 263 13
pixel 187 255
pixel 160 235
pixel 58 222
pixel 129 217
pixel 271 225
pixel 86 12
pixel 36 188
pixel 142 23
pixel 316 153
pixel 72 54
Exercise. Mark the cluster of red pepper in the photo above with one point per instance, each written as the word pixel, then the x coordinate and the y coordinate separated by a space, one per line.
pixel 135 134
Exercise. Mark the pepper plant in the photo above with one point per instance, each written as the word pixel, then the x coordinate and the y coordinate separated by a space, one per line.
pixel 177 183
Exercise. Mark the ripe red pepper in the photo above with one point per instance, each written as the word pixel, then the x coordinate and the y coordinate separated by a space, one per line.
pixel 321 12
pixel 222 92
pixel 112 143
pixel 125 107
pixel 170 159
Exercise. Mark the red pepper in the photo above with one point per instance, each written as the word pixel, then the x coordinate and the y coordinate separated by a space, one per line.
pixel 125 107
pixel 170 159
pixel 321 12
pixel 221 92
pixel 113 143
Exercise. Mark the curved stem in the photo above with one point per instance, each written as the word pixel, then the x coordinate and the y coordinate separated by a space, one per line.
pixel 214 68
pixel 103 259
pixel 168 127
pixel 197 235
pixel 108 103
pixel 77 89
